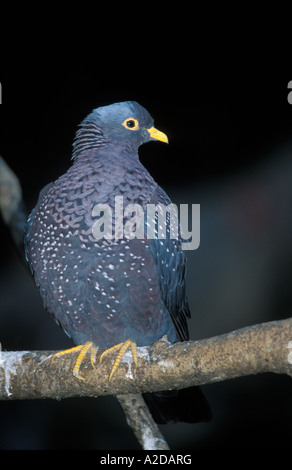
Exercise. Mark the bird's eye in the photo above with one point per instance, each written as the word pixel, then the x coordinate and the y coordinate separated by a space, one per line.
pixel 131 123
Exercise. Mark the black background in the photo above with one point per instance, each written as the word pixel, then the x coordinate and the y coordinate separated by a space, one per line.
pixel 226 113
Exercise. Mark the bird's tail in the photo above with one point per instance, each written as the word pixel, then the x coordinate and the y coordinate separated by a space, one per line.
pixel 188 405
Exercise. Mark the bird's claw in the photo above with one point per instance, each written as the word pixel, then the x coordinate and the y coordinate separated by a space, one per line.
pixel 121 348
pixel 83 348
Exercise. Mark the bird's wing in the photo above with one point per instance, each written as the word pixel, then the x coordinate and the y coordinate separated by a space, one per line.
pixel 170 260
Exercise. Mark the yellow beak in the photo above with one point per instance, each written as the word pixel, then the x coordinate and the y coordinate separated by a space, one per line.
pixel 157 135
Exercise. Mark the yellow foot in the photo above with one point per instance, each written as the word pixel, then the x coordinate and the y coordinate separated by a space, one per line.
pixel 83 348
pixel 122 348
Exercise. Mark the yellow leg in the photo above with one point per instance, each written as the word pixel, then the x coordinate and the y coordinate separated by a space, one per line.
pixel 134 353
pixel 110 350
pixel 122 348
pixel 86 347
pixel 93 352
pixel 83 348
pixel 67 351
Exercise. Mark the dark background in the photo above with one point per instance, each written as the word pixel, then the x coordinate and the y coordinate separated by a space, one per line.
pixel 230 145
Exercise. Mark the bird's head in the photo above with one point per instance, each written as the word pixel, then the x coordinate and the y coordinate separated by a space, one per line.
pixel 126 124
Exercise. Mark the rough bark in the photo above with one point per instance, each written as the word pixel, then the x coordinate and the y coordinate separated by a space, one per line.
pixel 265 347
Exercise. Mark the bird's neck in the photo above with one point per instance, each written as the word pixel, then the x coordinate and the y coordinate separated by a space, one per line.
pixel 114 171
pixel 122 157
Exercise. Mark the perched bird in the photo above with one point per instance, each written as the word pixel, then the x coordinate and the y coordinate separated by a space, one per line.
pixel 114 292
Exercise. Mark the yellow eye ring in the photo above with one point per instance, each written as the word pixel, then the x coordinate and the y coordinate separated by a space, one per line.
pixel 131 123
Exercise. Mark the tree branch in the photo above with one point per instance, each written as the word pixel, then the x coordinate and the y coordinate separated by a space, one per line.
pixel 12 207
pixel 266 347
pixel 141 422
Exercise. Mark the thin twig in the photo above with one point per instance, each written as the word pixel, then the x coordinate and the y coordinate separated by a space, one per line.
pixel 141 422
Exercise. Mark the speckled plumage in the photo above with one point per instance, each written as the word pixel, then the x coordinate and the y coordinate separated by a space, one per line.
pixel 106 291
